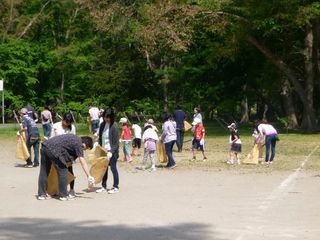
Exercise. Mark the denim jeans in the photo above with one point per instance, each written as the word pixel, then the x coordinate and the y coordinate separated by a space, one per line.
pixel 126 148
pixel 95 126
pixel 33 142
pixel 45 167
pixel 180 136
pixel 169 146
pixel 270 144
pixel 46 130
pixel 114 170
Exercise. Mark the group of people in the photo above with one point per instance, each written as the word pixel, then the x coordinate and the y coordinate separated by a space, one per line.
pixel 264 134
pixel 61 147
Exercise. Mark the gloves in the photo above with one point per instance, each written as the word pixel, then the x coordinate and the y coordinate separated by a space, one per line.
pixel 18 133
pixel 109 155
pixel 91 180
pixel 202 142
pixel 120 140
pixel 96 144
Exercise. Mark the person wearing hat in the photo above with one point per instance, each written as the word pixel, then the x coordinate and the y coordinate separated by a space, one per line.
pixel 109 140
pixel 126 139
pixel 198 139
pixel 235 144
pixel 29 126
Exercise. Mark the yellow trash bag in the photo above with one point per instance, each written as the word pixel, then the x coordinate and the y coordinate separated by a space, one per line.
pixel 161 153
pixel 253 156
pixel 22 150
pixel 99 163
pixel 187 126
pixel 53 182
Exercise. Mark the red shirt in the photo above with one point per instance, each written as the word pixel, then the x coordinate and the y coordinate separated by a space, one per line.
pixel 199 132
pixel 126 133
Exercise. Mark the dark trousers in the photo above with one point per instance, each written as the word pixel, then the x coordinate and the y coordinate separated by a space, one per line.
pixel 62 170
pixel 168 147
pixel 33 142
pixel 114 170
pixel 70 169
pixel 95 126
pixel 180 137
pixel 46 130
pixel 270 144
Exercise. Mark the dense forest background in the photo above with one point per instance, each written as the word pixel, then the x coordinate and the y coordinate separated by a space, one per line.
pixel 240 59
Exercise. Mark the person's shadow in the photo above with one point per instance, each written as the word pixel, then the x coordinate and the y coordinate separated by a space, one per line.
pixel 49 229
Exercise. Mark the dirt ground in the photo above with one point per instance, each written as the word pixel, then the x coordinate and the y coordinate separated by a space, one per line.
pixel 189 203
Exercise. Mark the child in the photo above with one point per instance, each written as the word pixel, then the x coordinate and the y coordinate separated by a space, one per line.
pixel 235 143
pixel 136 144
pixel 198 140
pixel 126 138
pixel 150 138
pixel 258 140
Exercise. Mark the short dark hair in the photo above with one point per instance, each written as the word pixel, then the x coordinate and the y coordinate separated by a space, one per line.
pixel 87 141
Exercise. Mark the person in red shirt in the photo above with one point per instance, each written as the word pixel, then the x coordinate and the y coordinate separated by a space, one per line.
pixel 198 139
pixel 126 139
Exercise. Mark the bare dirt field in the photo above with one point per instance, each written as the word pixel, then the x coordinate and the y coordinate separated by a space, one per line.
pixel 201 200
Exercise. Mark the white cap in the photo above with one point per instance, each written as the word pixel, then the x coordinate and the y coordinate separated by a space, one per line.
pixel 196 121
pixel 150 121
pixel 123 120
pixel 232 125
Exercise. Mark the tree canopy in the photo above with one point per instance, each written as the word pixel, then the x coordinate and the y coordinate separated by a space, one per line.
pixel 239 59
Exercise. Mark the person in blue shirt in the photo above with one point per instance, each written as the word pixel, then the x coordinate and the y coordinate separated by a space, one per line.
pixel 180 116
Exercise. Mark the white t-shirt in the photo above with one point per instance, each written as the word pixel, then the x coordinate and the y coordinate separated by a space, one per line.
pixel 267 129
pixel 137 131
pixel 59 130
pixel 94 113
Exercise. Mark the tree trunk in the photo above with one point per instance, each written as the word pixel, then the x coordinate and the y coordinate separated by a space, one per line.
pixel 309 119
pixel 288 105
pixel 62 88
pixel 264 116
pixel 244 108
pixel 9 23
pixel 316 51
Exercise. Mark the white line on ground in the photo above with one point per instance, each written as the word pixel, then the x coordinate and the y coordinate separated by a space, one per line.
pixel 278 191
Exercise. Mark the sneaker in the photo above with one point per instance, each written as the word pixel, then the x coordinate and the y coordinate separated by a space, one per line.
pixel 230 162
pixel 72 193
pixel 239 163
pixel 152 169
pixel 205 159
pixel 44 197
pixel 67 198
pixel 28 166
pixel 100 190
pixel 35 165
pixel 173 166
pixel 113 190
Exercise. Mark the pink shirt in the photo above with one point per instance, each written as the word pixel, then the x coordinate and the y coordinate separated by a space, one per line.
pixel 126 133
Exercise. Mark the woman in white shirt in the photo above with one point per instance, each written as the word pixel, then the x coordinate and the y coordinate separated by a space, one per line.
pixel 271 137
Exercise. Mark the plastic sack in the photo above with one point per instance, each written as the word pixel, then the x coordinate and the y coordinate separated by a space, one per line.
pixel 161 153
pixel 22 150
pixel 187 126
pixel 98 157
pixel 253 156
pixel 53 182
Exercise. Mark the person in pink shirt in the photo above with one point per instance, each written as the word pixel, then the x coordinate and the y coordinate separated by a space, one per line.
pixel 126 139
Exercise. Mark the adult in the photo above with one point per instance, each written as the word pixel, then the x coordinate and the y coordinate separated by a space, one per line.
pixel 271 136
pixel 66 126
pixel 29 126
pixel 197 114
pixel 31 113
pixel 61 151
pixel 179 116
pixel 169 137
pixel 109 139
pixel 94 113
pixel 46 120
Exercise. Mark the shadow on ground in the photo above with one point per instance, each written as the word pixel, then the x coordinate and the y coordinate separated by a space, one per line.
pixel 36 229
